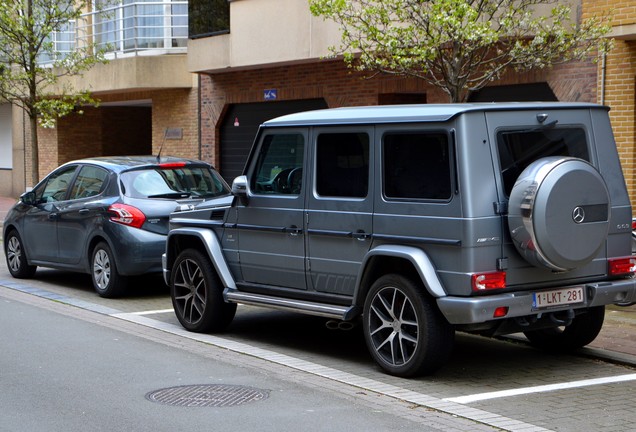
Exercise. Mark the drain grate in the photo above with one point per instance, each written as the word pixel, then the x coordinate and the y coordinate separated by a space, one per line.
pixel 211 395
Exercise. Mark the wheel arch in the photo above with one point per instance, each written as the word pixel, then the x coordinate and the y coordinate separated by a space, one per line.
pixel 407 260
pixel 203 240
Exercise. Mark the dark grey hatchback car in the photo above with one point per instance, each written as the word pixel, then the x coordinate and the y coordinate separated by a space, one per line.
pixel 105 216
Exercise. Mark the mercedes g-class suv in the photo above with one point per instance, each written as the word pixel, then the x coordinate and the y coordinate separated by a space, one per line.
pixel 418 220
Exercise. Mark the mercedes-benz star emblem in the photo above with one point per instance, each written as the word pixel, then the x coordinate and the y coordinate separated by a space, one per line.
pixel 578 215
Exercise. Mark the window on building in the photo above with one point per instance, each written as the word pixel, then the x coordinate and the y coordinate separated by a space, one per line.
pixel 6 137
pixel 208 17
pixel 131 25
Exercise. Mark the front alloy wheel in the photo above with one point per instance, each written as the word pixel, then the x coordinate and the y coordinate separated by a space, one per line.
pixel 406 335
pixel 197 294
pixel 16 259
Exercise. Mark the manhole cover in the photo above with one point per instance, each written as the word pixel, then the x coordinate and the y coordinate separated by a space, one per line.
pixel 212 395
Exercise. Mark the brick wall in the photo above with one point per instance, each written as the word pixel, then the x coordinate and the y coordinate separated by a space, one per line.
pixel 340 86
pixel 618 88
pixel 123 128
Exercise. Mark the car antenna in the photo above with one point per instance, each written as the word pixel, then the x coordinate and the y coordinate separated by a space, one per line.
pixel 163 141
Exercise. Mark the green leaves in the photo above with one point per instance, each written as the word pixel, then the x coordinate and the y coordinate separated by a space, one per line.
pixel 457 45
pixel 26 29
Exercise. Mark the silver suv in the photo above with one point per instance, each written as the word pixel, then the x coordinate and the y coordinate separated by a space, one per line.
pixel 418 221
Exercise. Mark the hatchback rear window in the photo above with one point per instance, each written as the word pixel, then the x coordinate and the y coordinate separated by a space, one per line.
pixel 173 183
pixel 518 149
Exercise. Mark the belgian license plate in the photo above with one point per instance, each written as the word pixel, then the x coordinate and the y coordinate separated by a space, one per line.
pixel 565 296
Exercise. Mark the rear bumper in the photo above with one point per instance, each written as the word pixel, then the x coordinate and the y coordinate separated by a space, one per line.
pixel 475 310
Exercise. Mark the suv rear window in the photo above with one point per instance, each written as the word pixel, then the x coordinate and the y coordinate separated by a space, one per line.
pixel 173 183
pixel 519 148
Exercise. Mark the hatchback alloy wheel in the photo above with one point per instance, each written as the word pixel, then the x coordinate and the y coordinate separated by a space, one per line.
pixel 16 258
pixel 106 280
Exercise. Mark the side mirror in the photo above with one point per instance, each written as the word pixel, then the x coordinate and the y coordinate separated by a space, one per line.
pixel 240 188
pixel 28 198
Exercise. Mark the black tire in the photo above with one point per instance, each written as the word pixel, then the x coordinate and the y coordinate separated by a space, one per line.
pixel 197 294
pixel 16 257
pixel 106 279
pixel 583 330
pixel 404 331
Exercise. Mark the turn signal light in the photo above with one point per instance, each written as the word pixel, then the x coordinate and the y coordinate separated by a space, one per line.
pixel 621 266
pixel 488 281
pixel 127 215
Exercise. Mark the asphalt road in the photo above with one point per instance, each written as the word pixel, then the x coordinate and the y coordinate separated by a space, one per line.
pixel 487 385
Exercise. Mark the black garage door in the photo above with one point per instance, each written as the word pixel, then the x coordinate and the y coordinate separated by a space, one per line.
pixel 241 123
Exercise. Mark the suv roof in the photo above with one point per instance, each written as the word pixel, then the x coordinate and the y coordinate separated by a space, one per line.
pixel 409 113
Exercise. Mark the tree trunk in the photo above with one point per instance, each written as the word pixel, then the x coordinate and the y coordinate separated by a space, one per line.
pixel 35 159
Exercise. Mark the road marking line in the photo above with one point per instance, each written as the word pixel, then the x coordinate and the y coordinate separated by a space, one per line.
pixel 539 389
pixel 152 312
pixel 421 399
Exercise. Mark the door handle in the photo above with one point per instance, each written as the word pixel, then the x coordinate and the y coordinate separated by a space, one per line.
pixel 84 211
pixel 53 216
pixel 360 235
pixel 293 230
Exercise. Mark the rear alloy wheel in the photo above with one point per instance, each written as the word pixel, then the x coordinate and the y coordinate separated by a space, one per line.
pixel 16 257
pixel 197 294
pixel 405 333
pixel 583 330
pixel 106 279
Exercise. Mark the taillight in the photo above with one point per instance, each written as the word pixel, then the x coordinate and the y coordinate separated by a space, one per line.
pixel 621 266
pixel 488 281
pixel 127 215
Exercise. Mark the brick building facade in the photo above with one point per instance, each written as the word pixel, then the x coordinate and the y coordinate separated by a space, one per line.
pixel 339 86
pixel 617 79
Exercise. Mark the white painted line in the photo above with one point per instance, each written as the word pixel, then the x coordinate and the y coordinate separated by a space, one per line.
pixel 152 312
pixel 484 417
pixel 539 389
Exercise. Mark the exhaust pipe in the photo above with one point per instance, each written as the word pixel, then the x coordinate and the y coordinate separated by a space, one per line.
pixel 340 325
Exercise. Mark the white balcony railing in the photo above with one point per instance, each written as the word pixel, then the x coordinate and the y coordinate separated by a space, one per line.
pixel 128 28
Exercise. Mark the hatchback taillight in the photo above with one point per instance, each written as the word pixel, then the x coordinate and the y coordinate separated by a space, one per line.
pixel 127 215
pixel 488 281
pixel 621 266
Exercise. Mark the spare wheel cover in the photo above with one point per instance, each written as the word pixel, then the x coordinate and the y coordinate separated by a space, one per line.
pixel 559 213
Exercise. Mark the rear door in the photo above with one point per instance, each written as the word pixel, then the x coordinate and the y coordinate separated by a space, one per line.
pixel 78 215
pixel 339 207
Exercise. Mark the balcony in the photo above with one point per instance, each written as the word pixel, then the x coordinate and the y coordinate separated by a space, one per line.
pixel 127 29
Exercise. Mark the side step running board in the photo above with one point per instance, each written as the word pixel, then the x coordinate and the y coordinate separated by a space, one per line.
pixel 343 313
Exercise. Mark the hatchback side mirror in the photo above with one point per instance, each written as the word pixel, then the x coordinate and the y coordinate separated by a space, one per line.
pixel 28 198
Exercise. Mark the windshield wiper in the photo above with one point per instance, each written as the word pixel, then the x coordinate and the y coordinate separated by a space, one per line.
pixel 171 195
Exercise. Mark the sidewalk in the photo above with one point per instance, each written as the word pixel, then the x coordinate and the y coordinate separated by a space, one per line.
pixel 616 342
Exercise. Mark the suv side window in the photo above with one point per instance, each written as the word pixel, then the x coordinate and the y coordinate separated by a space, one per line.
pixel 279 165
pixel 417 165
pixel 519 148
pixel 342 165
